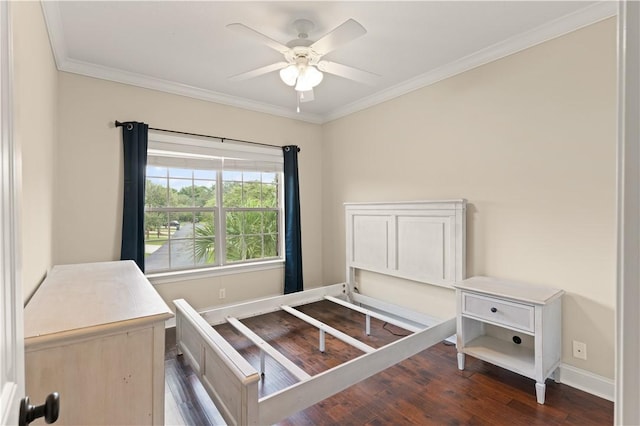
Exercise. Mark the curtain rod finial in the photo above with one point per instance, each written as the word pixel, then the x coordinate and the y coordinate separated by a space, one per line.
pixel 121 124
pixel 288 147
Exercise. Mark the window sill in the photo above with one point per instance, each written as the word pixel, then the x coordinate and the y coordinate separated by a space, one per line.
pixel 193 274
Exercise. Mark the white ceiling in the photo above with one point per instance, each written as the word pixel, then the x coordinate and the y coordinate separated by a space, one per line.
pixel 185 48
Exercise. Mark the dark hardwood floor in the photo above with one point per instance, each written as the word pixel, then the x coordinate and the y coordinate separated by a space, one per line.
pixel 426 389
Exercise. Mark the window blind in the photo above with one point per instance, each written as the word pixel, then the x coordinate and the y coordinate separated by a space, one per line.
pixel 169 150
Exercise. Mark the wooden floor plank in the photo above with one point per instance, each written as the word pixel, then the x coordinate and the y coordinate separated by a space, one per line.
pixel 426 389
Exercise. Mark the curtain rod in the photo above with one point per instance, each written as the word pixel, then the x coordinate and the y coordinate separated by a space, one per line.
pixel 121 124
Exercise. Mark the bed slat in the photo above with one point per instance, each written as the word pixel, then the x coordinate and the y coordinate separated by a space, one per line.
pixel 330 330
pixel 406 314
pixel 374 314
pixel 266 347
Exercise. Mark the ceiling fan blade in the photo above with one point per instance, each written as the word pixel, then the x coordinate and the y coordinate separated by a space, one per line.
pixel 347 31
pixel 351 73
pixel 306 96
pixel 259 71
pixel 250 32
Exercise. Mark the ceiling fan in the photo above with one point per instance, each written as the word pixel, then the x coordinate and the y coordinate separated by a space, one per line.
pixel 303 68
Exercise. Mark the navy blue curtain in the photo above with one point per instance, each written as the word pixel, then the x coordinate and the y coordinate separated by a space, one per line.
pixel 135 140
pixel 292 236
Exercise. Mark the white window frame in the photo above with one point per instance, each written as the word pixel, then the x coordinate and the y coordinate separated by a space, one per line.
pixel 209 148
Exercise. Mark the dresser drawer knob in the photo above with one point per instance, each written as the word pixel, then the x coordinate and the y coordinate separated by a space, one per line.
pixel 49 410
pixel 494 310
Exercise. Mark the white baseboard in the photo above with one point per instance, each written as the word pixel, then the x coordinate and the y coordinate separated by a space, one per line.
pixel 586 381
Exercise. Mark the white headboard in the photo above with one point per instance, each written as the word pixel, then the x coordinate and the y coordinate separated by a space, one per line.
pixel 421 240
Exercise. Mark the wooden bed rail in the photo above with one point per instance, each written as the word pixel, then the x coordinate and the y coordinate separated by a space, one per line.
pixel 232 383
pixel 286 402
pixel 218 315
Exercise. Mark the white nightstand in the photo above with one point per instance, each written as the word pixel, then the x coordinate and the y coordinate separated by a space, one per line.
pixel 513 325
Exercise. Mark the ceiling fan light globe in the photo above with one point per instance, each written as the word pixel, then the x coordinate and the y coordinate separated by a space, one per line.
pixel 314 76
pixel 303 83
pixel 309 78
pixel 303 86
pixel 289 75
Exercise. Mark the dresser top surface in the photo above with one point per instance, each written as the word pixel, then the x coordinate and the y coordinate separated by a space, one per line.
pixel 515 290
pixel 76 297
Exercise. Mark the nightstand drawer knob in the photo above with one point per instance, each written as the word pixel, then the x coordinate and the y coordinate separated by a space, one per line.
pixel 494 310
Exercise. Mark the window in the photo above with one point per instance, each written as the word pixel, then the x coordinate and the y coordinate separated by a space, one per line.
pixel 210 204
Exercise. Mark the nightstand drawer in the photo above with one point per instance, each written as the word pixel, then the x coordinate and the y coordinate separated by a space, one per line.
pixel 499 311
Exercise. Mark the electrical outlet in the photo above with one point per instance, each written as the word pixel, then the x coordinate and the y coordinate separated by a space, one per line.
pixel 222 294
pixel 579 350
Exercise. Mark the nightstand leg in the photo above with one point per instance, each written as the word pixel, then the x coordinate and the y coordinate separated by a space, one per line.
pixel 540 390
pixel 460 361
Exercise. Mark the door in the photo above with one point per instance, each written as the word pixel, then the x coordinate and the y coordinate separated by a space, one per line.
pixel 11 337
pixel 627 409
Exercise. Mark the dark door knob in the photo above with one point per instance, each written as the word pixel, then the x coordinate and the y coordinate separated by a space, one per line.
pixel 49 410
pixel 494 310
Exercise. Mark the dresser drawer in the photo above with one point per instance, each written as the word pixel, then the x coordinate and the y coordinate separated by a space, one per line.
pixel 502 312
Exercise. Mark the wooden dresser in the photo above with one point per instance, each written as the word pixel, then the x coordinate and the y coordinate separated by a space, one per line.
pixel 94 333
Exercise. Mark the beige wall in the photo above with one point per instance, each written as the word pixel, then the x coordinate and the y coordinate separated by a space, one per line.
pixel 530 142
pixel 88 205
pixel 35 106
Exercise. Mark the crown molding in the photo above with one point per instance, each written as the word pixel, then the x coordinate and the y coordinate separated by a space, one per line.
pixel 147 82
pixel 546 32
pixel 587 16
pixel 53 21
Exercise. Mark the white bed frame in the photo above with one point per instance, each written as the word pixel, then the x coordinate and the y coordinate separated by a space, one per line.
pixel 232 383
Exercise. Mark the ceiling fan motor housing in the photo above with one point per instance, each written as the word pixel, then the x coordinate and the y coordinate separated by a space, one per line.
pixel 302 55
